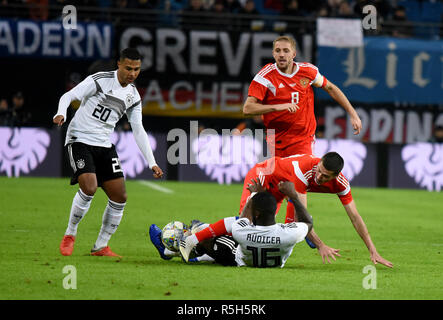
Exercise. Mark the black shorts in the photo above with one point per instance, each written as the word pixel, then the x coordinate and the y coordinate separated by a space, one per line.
pixel 102 161
pixel 221 249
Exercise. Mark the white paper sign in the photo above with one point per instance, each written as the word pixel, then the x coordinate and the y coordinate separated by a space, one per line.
pixel 332 32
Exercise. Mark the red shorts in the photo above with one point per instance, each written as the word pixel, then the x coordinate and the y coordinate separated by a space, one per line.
pixel 254 173
pixel 305 146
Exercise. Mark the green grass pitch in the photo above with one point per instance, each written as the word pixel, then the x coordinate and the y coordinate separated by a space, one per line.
pixel 405 225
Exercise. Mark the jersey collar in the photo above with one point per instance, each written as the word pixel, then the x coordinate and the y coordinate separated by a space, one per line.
pixel 116 79
pixel 287 74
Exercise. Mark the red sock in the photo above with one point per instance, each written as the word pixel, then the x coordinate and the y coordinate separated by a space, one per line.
pixel 214 230
pixel 290 213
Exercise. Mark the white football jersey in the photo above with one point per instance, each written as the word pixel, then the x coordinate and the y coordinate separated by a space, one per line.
pixel 103 102
pixel 266 246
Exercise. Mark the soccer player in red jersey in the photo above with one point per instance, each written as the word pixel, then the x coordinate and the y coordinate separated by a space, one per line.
pixel 312 174
pixel 309 174
pixel 282 93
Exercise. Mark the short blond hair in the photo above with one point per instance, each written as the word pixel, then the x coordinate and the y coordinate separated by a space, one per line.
pixel 285 38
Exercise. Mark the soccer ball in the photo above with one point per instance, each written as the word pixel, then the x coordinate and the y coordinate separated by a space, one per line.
pixel 171 234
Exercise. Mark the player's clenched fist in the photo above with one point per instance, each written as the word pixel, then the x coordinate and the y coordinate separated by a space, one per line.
pixel 287 188
pixel 157 172
pixel 59 120
pixel 356 124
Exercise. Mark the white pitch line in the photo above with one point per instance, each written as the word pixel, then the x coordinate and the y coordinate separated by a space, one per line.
pixel 155 186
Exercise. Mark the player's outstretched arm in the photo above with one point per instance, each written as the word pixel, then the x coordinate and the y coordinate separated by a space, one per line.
pixel 340 97
pixel 142 140
pixel 253 107
pixel 303 215
pixel 288 189
pixel 362 230
pixel 324 250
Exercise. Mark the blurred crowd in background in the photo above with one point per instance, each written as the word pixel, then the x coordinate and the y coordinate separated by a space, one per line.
pixel 395 10
pixel 13 108
pixel 13 111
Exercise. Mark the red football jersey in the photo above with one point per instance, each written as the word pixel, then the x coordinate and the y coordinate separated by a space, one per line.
pixel 271 86
pixel 299 169
pixel 305 168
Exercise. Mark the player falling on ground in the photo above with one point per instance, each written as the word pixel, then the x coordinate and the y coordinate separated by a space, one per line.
pixel 105 97
pixel 282 93
pixel 309 174
pixel 220 249
pixel 257 240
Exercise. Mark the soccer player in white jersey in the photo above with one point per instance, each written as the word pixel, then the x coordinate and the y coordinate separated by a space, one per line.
pixel 105 97
pixel 261 241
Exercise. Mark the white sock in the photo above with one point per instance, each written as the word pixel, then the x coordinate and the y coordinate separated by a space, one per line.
pixel 205 257
pixel 111 219
pixel 229 222
pixel 80 206
pixel 199 228
pixel 192 239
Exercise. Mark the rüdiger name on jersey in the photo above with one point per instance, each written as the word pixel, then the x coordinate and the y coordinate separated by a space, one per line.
pixel 263 239
pixel 266 246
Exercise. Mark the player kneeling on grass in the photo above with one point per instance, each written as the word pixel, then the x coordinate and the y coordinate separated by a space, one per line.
pixel 257 240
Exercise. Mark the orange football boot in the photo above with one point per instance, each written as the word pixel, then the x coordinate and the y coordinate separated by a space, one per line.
pixel 105 252
pixel 67 245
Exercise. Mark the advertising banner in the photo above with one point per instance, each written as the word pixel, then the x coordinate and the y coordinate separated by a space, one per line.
pixel 212 154
pixel 38 152
pixel 50 39
pixel 201 73
pixel 381 123
pixel 132 161
pixel 417 165
pixel 225 159
pixel 386 69
pixel 30 152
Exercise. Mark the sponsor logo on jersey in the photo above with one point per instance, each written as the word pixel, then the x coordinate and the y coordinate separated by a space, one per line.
pixel 129 99
pixel 304 82
pixel 80 163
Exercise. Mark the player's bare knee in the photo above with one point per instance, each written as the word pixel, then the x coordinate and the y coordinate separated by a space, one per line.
pixel 119 198
pixel 89 189
pixel 88 184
